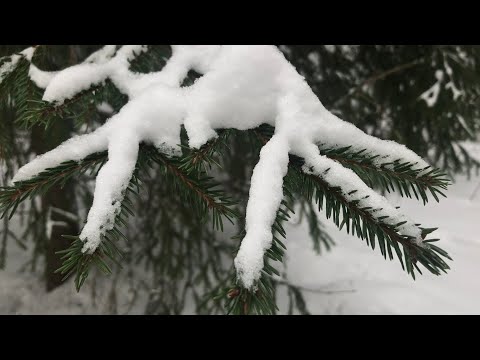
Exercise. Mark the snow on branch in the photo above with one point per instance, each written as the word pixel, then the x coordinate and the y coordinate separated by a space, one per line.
pixel 9 64
pixel 242 87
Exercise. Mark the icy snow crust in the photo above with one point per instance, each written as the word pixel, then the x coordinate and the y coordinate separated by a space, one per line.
pixel 243 86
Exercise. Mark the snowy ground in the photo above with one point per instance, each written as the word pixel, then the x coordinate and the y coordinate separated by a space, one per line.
pixel 351 279
pixel 362 282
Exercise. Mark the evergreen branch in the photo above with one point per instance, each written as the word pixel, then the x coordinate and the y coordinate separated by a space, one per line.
pixel 296 299
pixel 261 300
pixel 31 110
pixel 361 222
pixel 198 189
pixel 398 176
pixel 395 176
pixel 187 177
pixel 199 160
pixel 81 107
pixel 201 192
pixel 374 78
pixel 12 196
pixel 18 91
pixel 75 260
pixel 152 60
pixel 8 66
pixel 318 234
pixel 45 113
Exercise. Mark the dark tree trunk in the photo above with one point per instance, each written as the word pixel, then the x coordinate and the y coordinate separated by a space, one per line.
pixel 62 199
pixel 59 203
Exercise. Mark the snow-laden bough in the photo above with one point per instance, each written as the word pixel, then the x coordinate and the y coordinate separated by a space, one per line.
pixel 242 87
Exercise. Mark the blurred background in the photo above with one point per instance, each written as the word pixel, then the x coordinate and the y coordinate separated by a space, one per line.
pixel 423 96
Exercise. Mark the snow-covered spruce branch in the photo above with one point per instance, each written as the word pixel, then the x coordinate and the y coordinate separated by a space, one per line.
pixel 12 196
pixel 391 176
pixel 202 159
pixel 363 221
pixel 193 186
pixel 244 301
pixel 8 64
pixel 78 262
pixel 46 113
pixel 350 215
pixel 242 87
pixel 83 105
pixel 18 93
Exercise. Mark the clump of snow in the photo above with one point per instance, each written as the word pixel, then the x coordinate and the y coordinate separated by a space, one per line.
pixel 39 77
pixel 451 85
pixel 330 48
pixel 93 71
pixel 28 53
pixel 266 194
pixel 431 95
pixel 8 66
pixel 79 77
pixel 242 87
pixel 314 57
pixel 52 223
pixel 455 91
pixel 105 108
pixel 76 149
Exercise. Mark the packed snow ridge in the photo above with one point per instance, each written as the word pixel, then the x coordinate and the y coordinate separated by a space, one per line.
pixel 242 87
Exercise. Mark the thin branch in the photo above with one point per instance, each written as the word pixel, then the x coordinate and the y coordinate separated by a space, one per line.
pixel 374 78
pixel 177 172
pixel 317 291
pixel 365 215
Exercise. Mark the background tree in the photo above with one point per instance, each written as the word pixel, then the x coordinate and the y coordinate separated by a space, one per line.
pixel 423 96
pixel 50 218
pixel 184 256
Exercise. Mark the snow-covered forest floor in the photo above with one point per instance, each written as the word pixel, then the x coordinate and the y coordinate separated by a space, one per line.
pixel 350 279
pixel 354 279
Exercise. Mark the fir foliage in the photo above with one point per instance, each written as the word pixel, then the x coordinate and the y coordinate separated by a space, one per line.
pixel 206 190
pixel 379 89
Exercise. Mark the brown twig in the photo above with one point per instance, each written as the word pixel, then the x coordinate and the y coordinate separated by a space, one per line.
pixel 211 203
pixel 318 291
pixel 372 79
